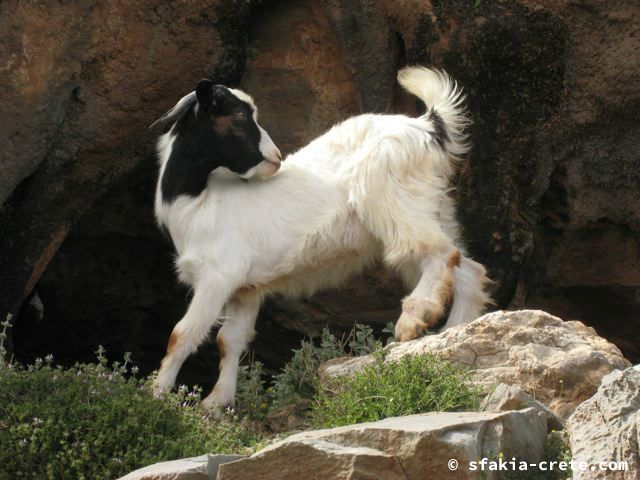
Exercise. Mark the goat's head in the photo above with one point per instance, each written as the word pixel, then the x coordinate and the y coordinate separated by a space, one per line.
pixel 224 125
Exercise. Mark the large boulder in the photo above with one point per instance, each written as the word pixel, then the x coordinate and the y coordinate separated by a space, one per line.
pixel 511 397
pixel 432 445
pixel 606 428
pixel 204 467
pixel 560 364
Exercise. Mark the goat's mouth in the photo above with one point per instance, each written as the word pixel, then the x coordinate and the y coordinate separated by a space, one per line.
pixel 271 167
pixel 275 163
pixel 266 168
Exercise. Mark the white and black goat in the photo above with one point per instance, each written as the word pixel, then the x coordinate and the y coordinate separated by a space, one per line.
pixel 373 187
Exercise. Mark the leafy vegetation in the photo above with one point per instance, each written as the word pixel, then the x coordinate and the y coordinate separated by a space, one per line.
pixel 97 421
pixel 556 449
pixel 3 335
pixel 298 379
pixel 414 384
pixel 100 421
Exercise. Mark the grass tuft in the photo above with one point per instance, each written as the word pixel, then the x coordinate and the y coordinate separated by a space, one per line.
pixel 414 384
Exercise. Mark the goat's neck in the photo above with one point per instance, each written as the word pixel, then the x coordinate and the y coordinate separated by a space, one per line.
pixel 188 168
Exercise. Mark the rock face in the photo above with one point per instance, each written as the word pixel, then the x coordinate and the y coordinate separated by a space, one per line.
pixel 560 364
pixel 80 84
pixel 606 427
pixel 548 196
pixel 204 467
pixel 304 459
pixel 511 397
pixel 412 447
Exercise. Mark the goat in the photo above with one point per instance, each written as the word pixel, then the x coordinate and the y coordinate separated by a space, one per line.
pixel 373 187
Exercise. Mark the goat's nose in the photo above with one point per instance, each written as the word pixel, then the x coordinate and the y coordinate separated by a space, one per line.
pixel 278 154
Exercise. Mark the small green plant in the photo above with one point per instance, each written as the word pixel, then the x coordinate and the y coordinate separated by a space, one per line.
pixel 390 330
pixel 251 395
pixel 298 379
pixel 96 421
pixel 414 384
pixel 3 335
pixel 556 449
pixel 363 342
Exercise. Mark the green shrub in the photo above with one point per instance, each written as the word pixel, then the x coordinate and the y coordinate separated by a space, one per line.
pixel 3 335
pixel 251 395
pixel 298 379
pixel 363 342
pixel 414 384
pixel 92 422
pixel 556 449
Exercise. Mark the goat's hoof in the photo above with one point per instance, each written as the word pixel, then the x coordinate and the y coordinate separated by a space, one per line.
pixel 216 407
pixel 158 392
pixel 409 327
pixel 160 389
pixel 418 315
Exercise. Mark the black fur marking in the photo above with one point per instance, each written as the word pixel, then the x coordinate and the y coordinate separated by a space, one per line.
pixel 167 236
pixel 204 93
pixel 219 132
pixel 440 134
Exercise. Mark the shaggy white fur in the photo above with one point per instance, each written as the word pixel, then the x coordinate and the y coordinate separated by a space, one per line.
pixel 373 187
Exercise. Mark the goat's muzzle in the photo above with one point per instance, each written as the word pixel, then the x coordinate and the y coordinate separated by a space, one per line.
pixel 270 165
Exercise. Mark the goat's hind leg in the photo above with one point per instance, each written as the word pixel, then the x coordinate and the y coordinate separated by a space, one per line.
pixel 427 303
pixel 210 295
pixel 233 338
pixel 470 292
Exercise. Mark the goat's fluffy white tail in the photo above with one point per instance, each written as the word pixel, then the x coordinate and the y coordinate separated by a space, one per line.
pixel 443 100
pixel 400 181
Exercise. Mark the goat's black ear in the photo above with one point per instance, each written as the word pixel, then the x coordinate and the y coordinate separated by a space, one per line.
pixel 204 92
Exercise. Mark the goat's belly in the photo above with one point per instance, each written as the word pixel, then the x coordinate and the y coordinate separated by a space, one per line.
pixel 329 272
pixel 322 260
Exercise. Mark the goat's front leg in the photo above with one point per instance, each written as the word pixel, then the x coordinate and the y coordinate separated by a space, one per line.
pixel 233 338
pixel 426 304
pixel 210 294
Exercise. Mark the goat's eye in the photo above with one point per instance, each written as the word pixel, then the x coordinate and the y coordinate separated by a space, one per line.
pixel 240 116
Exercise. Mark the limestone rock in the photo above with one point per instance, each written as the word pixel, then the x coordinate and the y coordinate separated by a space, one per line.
pixel 288 417
pixel 337 367
pixel 606 427
pixel 204 467
pixel 560 364
pixel 511 397
pixel 315 458
pixel 415 446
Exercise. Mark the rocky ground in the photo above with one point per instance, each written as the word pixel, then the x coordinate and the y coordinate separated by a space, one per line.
pixel 540 374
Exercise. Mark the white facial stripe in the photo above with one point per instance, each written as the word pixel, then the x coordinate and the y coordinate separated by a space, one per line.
pixel 248 99
pixel 243 96
pixel 267 147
